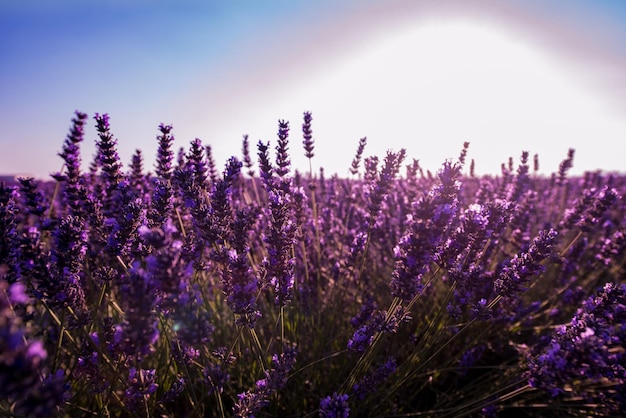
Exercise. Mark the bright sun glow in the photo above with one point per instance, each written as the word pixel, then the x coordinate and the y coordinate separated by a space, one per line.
pixel 429 88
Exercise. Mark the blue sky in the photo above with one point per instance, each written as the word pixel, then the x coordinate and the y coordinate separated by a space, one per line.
pixel 536 75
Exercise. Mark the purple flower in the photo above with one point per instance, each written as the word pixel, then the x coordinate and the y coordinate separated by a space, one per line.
pixel 196 162
pixel 216 377
pixel 122 227
pixel 522 218
pixel 248 403
pixel 590 208
pixel 468 237
pixel 589 348
pixel 187 190
pixel 247 161
pixel 164 265
pixel 521 180
pixel 137 177
pixel 108 159
pixel 427 227
pixel 223 189
pixel 603 201
pixel 513 276
pixel 180 158
pixel 463 154
pixel 165 154
pixel 371 169
pixel 141 386
pixel 62 284
pixel 73 192
pixel 367 310
pixel 612 248
pixel 377 322
pixel 307 135
pixel 139 331
pixel 88 368
pixel 460 255
pixel 575 214
pixel 182 352
pixel 565 165
pixel 282 156
pixel 17 294
pixel 383 183
pixel 356 161
pixel 175 390
pixel 34 199
pixel 334 406
pixel 267 171
pixel 161 203
pixel 210 163
pixel 279 265
pixel 240 284
pixel 299 204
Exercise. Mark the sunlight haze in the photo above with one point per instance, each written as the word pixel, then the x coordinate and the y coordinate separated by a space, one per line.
pixel 412 75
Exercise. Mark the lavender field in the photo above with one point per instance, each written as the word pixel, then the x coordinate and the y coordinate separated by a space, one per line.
pixel 179 288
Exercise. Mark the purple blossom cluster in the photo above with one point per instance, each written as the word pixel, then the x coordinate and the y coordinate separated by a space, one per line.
pixel 430 221
pixel 276 377
pixel 588 352
pixel 260 291
pixel 335 406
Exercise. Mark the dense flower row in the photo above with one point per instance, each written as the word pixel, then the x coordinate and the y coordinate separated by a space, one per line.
pixel 190 292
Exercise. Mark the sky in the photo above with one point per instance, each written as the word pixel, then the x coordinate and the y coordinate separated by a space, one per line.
pixel 508 76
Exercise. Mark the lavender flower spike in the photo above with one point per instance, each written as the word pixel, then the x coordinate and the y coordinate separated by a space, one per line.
pixel 107 152
pixel 165 154
pixel 68 259
pixel 195 159
pixel 71 155
pixel 307 135
pixel 280 263
pixel 253 400
pixel 428 226
pixel 282 156
pixel 247 161
pixel 334 406
pixel 267 171
pixel 141 387
pixel 393 162
pixel 356 161
pixel 521 268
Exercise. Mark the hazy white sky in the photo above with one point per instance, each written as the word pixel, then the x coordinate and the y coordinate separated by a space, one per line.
pixel 541 76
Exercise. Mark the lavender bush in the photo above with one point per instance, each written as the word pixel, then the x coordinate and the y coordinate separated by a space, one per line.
pixel 393 292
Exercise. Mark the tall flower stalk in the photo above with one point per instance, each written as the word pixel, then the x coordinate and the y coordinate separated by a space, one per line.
pixel 74 191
